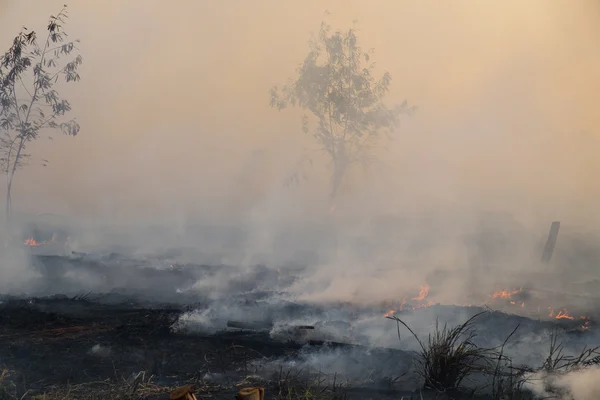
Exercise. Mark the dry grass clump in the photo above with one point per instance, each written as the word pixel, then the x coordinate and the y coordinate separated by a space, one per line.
pixel 557 361
pixel 450 355
pixel 551 379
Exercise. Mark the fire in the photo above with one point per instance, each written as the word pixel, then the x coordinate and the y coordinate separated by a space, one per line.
pixel 422 293
pixel 586 324
pixel 506 294
pixel 562 314
pixel 31 242
pixel 397 309
pixel 421 301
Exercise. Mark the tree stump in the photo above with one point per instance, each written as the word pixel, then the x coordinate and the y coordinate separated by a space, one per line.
pixel 251 393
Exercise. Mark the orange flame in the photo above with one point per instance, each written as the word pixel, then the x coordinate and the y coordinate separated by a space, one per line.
pixel 505 294
pixel 34 243
pixel 31 242
pixel 562 314
pixel 422 293
pixel 395 310
pixel 586 324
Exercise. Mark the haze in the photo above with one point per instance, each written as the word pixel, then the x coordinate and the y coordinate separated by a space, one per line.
pixel 173 104
pixel 176 129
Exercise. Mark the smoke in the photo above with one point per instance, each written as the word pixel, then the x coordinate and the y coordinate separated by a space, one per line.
pixel 180 150
pixel 16 273
pixel 577 385
pixel 173 106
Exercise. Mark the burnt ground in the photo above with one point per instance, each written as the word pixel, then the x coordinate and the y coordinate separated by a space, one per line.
pixel 133 332
pixel 123 341
pixel 46 343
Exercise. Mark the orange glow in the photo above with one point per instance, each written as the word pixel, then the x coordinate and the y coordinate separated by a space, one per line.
pixel 422 293
pixel 31 242
pixel 505 294
pixel 421 301
pixel 586 325
pixel 395 310
pixel 562 314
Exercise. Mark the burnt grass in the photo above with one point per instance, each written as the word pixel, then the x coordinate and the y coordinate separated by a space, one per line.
pixel 122 344
pixel 107 346
pixel 44 349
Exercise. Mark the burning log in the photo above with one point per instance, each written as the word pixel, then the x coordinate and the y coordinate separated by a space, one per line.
pixel 551 242
pixel 251 393
pixel 184 393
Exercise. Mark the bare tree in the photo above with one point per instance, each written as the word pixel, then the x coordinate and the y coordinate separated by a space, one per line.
pixel 336 84
pixel 29 103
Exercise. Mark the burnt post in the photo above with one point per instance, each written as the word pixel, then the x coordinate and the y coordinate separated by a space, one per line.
pixel 551 242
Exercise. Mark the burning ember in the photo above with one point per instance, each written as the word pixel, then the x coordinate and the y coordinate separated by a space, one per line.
pixel 586 324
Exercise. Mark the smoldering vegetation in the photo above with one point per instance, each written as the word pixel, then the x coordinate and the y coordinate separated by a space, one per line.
pixel 161 246
pixel 110 303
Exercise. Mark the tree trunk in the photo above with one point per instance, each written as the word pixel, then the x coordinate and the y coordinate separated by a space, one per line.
pixel 7 200
pixel 10 181
pixel 336 180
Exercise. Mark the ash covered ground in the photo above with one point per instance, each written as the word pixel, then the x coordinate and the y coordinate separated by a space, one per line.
pixel 161 318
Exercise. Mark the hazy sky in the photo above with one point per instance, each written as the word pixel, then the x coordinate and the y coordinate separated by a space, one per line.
pixel 173 104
